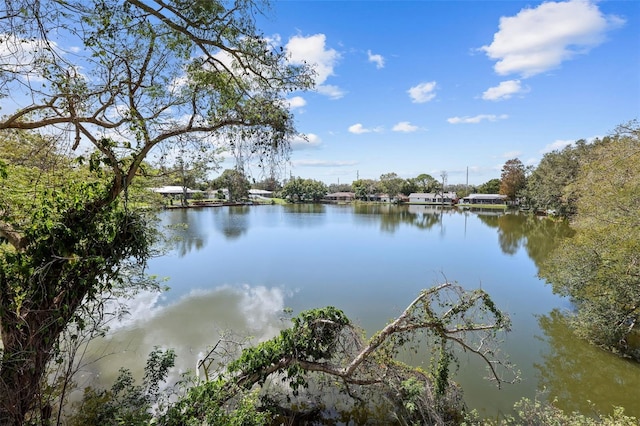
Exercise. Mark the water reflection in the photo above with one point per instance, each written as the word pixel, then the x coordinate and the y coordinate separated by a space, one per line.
pixel 579 374
pixel 233 221
pixel 391 216
pixel 305 208
pixel 539 236
pixel 304 215
pixel 189 232
pixel 368 260
pixel 190 325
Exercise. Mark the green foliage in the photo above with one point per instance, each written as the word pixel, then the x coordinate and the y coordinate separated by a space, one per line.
pixel 235 182
pixel 391 183
pixel 210 404
pixel 537 413
pixel 426 183
pixel 491 186
pixel 599 268
pixel 512 179
pixel 225 400
pixel 152 76
pixel 550 185
pixel 462 190
pixel 298 189
pixel 126 403
pixel 312 337
pixel 363 188
pixel 342 187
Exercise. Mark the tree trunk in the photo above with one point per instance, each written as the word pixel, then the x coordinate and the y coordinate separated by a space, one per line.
pixel 23 366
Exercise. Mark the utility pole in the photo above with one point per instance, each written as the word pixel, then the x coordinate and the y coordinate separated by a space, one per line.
pixel 444 178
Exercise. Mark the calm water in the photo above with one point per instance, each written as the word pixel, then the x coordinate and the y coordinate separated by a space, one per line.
pixel 238 268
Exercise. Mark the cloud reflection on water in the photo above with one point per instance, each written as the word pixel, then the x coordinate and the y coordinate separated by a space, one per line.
pixel 189 326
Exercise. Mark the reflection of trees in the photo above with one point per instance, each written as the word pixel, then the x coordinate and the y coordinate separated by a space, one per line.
pixel 543 236
pixel 576 372
pixel 304 215
pixel 305 208
pixel 235 222
pixel 539 236
pixel 511 232
pixel 187 230
pixel 391 216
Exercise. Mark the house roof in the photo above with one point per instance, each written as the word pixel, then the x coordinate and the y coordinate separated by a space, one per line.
pixel 431 195
pixel 173 189
pixel 342 194
pixel 486 197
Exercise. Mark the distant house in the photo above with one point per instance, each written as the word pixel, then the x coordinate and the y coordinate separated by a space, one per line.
pixel 256 194
pixel 340 197
pixel 176 191
pixel 484 200
pixel 432 198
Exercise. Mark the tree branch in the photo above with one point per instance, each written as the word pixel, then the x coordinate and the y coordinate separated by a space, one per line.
pixel 18 241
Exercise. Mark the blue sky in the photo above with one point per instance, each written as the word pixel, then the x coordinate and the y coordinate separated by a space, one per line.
pixel 428 86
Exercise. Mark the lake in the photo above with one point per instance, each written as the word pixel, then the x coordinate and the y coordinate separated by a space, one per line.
pixel 237 268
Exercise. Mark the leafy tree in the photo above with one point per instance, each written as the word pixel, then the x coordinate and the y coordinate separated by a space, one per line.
pixel 147 74
pixel 340 187
pixel 426 183
pixel 268 184
pixel 550 185
pixel 409 186
pixel 314 190
pixel 294 189
pixel 126 402
pixel 391 183
pixel 536 412
pixel 599 267
pixel 461 189
pixel 491 186
pixel 363 188
pixel 298 189
pixel 512 179
pixel 235 181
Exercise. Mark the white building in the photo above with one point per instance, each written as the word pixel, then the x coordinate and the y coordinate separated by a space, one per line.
pixel 432 198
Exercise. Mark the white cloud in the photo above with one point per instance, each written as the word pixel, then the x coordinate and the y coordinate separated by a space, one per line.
pixel 359 129
pixel 312 50
pixel 309 141
pixel 477 119
pixel 539 39
pixel 556 146
pixel 423 92
pixel 404 126
pixel 323 163
pixel 504 90
pixel 333 92
pixel 24 57
pixel 296 102
pixel 376 59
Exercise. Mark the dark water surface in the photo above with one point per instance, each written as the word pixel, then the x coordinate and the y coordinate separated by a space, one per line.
pixel 239 267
